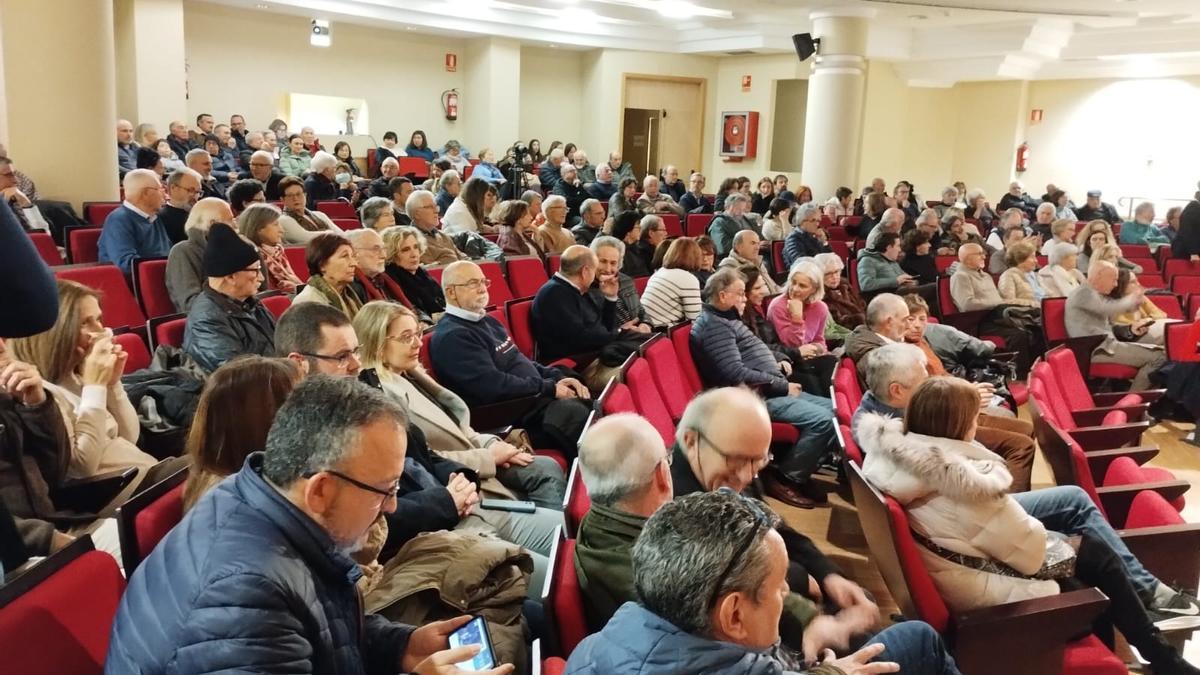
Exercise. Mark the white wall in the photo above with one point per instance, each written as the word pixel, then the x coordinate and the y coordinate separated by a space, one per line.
pixel 763 71
pixel 552 100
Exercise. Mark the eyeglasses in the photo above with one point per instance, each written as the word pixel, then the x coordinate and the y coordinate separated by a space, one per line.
pixel 371 249
pixel 761 523
pixel 387 494
pixel 409 336
pixel 341 358
pixel 474 284
pixel 736 462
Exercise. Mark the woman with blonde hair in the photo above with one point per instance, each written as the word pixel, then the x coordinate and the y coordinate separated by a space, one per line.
pixel 1019 284
pixel 978 543
pixel 81 367
pixel 403 246
pixel 260 224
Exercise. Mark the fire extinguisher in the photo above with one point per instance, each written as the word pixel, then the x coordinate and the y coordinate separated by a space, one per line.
pixel 1022 157
pixel 450 103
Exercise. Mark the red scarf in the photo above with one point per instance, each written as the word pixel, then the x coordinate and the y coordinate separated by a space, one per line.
pixel 373 292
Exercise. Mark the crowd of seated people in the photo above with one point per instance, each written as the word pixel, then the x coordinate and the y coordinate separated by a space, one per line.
pixel 380 466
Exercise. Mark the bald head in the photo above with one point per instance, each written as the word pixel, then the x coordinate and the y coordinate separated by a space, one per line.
pixel 621 460
pixel 887 315
pixel 966 250
pixel 892 219
pixel 575 260
pixel 1102 276
pixel 726 435
pixel 124 132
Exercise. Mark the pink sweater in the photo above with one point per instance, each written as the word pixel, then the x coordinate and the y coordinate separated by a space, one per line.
pixel 792 334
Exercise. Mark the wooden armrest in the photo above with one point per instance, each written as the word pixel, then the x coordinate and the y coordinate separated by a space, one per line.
pixel 91 495
pixel 1148 396
pixel 1116 499
pixel 1112 436
pixel 1095 416
pixel 1098 460
pixel 1170 552
pixel 502 413
pixel 986 640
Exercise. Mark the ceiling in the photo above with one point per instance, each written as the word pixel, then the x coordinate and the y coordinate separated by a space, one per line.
pixel 930 42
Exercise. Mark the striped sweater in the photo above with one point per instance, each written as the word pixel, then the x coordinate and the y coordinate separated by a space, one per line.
pixel 671 296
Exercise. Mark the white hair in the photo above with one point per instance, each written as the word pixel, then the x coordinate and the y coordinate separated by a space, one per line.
pixel 567 167
pixel 141 178
pixel 322 161
pixel 1062 250
pixel 883 307
pixel 391 160
pixel 262 154
pixel 829 262
pixel 556 153
pixel 618 456
pixel 554 200
pixel 194 154
pixel 973 194
pixel 895 362
pixel 415 200
pixel 816 276
pixel 1046 206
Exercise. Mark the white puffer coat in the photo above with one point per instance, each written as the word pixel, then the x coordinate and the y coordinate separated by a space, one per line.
pixel 955 494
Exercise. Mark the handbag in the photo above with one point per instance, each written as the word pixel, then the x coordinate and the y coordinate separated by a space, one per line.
pixel 1059 562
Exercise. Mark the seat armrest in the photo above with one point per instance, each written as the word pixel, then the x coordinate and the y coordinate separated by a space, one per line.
pixel 91 495
pixel 502 413
pixel 986 640
pixel 1118 498
pixel 1170 552
pixel 1087 417
pixel 1112 436
pixel 1109 398
pixel 1098 460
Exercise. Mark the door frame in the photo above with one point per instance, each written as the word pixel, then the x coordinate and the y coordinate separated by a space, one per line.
pixel 703 82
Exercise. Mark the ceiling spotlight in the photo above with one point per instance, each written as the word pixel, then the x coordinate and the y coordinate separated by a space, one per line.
pixel 319 35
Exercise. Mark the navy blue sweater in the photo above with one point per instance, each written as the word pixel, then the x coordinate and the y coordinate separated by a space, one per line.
pixel 567 322
pixel 478 361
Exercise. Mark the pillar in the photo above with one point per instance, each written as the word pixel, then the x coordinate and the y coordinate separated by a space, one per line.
pixel 60 95
pixel 151 64
pixel 491 98
pixel 833 125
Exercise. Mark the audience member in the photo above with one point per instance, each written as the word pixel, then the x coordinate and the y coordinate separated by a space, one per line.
pixel 179 139
pixel 183 189
pixel 398 190
pixel 486 170
pixel 777 221
pixel 799 316
pixel 1187 242
pixel 515 218
pixel 235 412
pixel 570 187
pixel 729 222
pixel 145 135
pixel 300 224
pixel 1061 276
pixel 332 267
pixel 185 277
pixel 891 220
pixel 226 320
pixel 294 158
pixel 449 186
pixel 653 201
pixel 126 148
pixel 319 185
pixel 747 251
pixel 552 237
pixel 243 193
pixel 439 248
pixel 629 314
pixel 262 169
pixel 147 158
pixel 1043 224
pixel 945 346
pixel 389 150
pixel 475 357
pixel 602 188
pixel 1094 209
pixel 132 230
pixel 260 223
pixel 418 146
pixel 591 222
pixel 998 259
pixel 708 258
pixel 1141 229
pixel 198 160
pixel 807 239
pixel 306 512
pixel 955 235
pixel 224 162
pixel 627 228
pixel 388 169
pixel 695 201
pixel 919 261
pixel 650 247
pixel 966 506
pixel 846 305
pixel 1090 311
pixel 403 267
pixel 1169 227
pixel 469 212
pixel 1060 232
pixel 879 271
pixel 376 214
pixel 840 205
pixel 1127 284
pixel 760 203
pixel 204 127
pixel 620 169
pixel 729 354
pixel 624 199
pixel 370 279
pixel 1020 284
pixel 973 289
pixel 672 293
pixel 1017 198
pixel 319 338
pixel 671 184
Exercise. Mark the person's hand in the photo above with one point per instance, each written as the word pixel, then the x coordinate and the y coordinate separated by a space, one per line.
pixel 426 651
pixel 824 633
pixel 904 279
pixel 23 382
pixel 1141 327
pixel 859 663
pixel 845 593
pixel 564 390
pixel 99 364
pixel 59 541
pixel 822 237
pixel 14 193
pixel 506 454
pixel 610 285
pixel 986 391
pixel 794 389
pixel 635 326
pixel 444 662
pixel 462 491
pixel 810 350
pixel 1194 258
pixel 785 367
pixel 795 309
pixel 581 390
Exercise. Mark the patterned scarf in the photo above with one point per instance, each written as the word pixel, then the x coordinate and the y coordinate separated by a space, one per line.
pixel 347 301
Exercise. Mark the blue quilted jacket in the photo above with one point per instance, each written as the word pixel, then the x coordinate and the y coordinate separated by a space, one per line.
pixel 248 583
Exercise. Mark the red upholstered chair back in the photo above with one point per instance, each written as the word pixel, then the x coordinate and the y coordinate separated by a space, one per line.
pixel 1083 472
pixel 898 557
pixel 945 301
pixel 346 224
pixel 1182 341
pixel 526 274
pixel 553 263
pixel 1185 285
pixel 943 262
pixel 576 502
pixel 416 166
pixel 426 362
pixel 120 307
pixel 499 292
pixel 1150 509
pixel 46 248
pixel 617 399
pixel 170 332
pixel 147 517
pixel 295 256
pixel 673 384
pixel 276 304
pixel 1125 471
pixel 847 389
pixel 139 355
pixel 1168 303
pixel 1054 319
pixel 672 223
pixel 57 621
pixel 1177 266
pixel 1066 373
pixel 337 209
pixel 150 284
pixel 777 257
pixel 1050 396
pixel 519 326
pixel 853 452
pixel 681 339
pixel 95 213
pixel 83 244
pixel 498 315
pixel 648 399
pixel 697 223
pixel 562 599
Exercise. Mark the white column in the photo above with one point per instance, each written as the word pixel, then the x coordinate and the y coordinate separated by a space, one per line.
pixel 60 95
pixel 151 63
pixel 491 99
pixel 833 125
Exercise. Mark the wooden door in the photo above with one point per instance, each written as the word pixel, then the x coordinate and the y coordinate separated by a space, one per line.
pixel 639 143
pixel 680 102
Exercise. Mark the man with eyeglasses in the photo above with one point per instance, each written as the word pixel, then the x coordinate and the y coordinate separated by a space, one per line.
pixel 225 319
pixel 133 231
pixel 476 358
pixel 370 281
pixel 262 169
pixel 183 191
pixel 422 208
pixel 687 620
pixel 320 339
pixel 803 241
pixel 258 575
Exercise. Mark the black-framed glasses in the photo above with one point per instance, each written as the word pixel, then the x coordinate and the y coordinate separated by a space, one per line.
pixel 762 522
pixel 735 462
pixel 387 494
pixel 341 358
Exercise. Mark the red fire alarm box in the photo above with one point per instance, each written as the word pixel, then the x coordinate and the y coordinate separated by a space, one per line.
pixel 739 136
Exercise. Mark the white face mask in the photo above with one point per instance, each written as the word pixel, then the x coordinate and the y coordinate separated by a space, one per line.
pixel 342 178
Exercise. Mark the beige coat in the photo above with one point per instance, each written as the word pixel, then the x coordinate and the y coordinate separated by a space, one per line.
pixel 1058 282
pixel 440 249
pixel 553 239
pixel 295 235
pixel 1016 289
pixel 956 494
pixel 973 290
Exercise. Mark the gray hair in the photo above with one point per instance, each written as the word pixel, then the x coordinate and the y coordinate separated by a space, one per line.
pixel 805 210
pixel 177 175
pixel 371 209
pixel 1060 251
pixel 587 205
pixel 1144 206
pixel 552 200
pixel 829 262
pixel 816 276
pixel 556 153
pixel 882 307
pixel 895 362
pixel 893 215
pixel 609 241
pixel 362 232
pixel 720 281
pixel 261 154
pixel 194 154
pixel 1046 206
pixel 448 177
pixel 617 457
pixel 322 161
pixel 414 201
pixel 927 214
pixel 973 194
pixel 651 221
pixel 684 548
pixel 950 191
pixel 736 198
pixel 566 168
pixel 317 428
pixel 254 218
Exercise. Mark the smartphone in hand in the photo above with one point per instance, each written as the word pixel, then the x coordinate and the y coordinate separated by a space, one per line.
pixel 475 632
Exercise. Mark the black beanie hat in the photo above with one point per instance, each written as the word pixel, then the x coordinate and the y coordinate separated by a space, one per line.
pixel 226 252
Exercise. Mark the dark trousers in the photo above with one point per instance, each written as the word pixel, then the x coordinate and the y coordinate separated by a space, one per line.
pixel 557 423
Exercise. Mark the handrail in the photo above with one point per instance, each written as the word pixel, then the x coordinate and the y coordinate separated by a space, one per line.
pixel 1131 202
